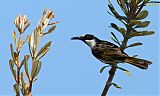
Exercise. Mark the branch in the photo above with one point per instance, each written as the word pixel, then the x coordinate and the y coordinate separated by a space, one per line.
pixel 109 81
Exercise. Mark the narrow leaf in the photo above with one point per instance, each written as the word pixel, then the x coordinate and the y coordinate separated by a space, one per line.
pixel 34 69
pixel 134 22
pixel 12 53
pixel 116 86
pixel 115 38
pixel 135 44
pixel 114 26
pixel 141 33
pixel 22 79
pixel 143 24
pixel 38 69
pixel 50 30
pixel 29 46
pixel 125 71
pixel 113 11
pixel 16 88
pixel 43 49
pixel 102 69
pixel 11 64
pixel 142 15
pixel 44 53
pixel 14 37
pixel 26 66
pixel 121 30
pixel 134 56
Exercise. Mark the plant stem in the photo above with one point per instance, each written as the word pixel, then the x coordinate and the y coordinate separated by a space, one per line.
pixel 30 88
pixel 109 81
pixel 31 79
pixel 18 75
pixel 18 81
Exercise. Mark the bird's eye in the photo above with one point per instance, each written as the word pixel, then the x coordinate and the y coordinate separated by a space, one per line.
pixel 88 37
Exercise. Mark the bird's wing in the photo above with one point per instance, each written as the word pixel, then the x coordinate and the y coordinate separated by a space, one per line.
pixel 113 48
pixel 109 44
pixel 108 51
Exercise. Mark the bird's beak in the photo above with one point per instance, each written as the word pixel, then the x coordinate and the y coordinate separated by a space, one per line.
pixel 77 38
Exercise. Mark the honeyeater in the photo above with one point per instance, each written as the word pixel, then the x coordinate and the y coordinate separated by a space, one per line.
pixel 110 53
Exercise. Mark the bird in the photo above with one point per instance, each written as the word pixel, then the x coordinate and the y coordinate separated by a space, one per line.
pixel 110 53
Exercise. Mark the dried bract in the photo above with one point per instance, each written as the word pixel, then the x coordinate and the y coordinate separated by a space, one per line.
pixel 21 22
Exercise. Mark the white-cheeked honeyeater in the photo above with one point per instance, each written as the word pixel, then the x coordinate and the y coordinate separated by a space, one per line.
pixel 110 53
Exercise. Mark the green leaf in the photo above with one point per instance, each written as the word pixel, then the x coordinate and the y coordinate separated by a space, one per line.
pixel 14 37
pixel 134 22
pixel 125 71
pixel 50 30
pixel 12 53
pixel 44 49
pixel 11 64
pixel 24 85
pixel 34 41
pixel 142 33
pixel 38 68
pixel 135 44
pixel 102 69
pixel 25 89
pixel 22 79
pixel 16 88
pixel 44 53
pixel 142 15
pixel 121 30
pixel 115 38
pixel 143 24
pixel 29 46
pixel 116 86
pixel 114 26
pixel 23 61
pixel 34 68
pixel 134 56
pixel 26 65
pixel 113 11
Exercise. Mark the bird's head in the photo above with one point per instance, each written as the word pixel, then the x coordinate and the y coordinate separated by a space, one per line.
pixel 89 39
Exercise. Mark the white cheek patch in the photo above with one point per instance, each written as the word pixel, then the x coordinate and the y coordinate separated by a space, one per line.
pixel 91 43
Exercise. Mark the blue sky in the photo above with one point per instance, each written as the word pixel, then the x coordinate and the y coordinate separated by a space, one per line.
pixel 69 68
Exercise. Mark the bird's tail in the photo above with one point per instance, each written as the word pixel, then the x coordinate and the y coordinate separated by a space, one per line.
pixel 141 63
